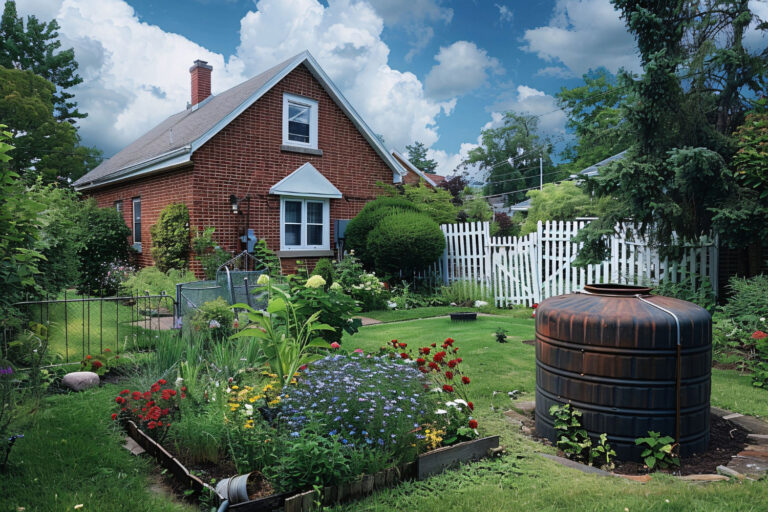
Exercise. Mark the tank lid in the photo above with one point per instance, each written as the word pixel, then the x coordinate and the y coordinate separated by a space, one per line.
pixel 616 289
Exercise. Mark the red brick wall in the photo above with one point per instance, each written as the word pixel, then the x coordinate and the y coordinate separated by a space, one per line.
pixel 156 192
pixel 245 159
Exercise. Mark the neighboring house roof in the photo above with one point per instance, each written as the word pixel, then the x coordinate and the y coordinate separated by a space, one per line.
pixel 410 167
pixel 594 170
pixel 306 181
pixel 172 143
pixel 437 178
pixel 522 206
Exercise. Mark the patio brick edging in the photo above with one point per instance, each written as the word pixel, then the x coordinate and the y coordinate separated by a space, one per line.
pixel 426 465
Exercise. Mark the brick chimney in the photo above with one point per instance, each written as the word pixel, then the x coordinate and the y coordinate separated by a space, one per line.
pixel 201 81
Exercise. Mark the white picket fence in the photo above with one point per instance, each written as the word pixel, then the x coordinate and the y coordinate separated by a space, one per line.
pixel 526 270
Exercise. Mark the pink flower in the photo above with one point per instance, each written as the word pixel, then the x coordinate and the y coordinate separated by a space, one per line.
pixel 335 345
pixel 759 335
pixel 358 351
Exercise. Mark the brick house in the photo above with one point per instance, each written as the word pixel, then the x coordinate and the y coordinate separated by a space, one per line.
pixel 282 154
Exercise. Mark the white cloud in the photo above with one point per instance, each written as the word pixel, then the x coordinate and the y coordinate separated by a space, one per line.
pixel 448 162
pixel 532 101
pixel 555 71
pixel 135 74
pixel 584 35
pixel 506 15
pixel 757 40
pixel 462 67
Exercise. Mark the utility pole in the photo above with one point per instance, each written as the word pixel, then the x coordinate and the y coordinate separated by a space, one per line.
pixel 541 173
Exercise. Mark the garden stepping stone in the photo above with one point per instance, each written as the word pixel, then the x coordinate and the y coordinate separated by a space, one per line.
pixel 758 439
pixel 132 446
pixel 752 467
pixel 79 381
pixel 525 406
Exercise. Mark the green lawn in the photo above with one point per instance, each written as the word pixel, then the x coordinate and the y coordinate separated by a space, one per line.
pixel 433 311
pixel 71 454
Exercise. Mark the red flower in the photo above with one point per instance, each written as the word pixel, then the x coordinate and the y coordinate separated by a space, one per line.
pixel 119 400
pixel 147 395
pixel 151 425
pixel 438 358
pixel 421 361
pixel 455 350
pixel 458 360
pixel 433 365
pixel 155 388
pixel 449 341
pixel 162 382
pixel 423 369
pixel 107 350
pixel 447 388
pixel 125 391
pixel 444 345
pixel 759 335
pixel 402 345
pixel 471 406
pixel 117 357
pixel 452 363
pixel 393 342
pixel 335 345
pixel 183 395
pixel 88 357
pixel 404 355
pixel 535 305
pixel 434 345
pixel 114 416
pixel 303 367
pixel 183 388
pixel 424 350
pixel 472 423
pixel 465 379
pixel 448 375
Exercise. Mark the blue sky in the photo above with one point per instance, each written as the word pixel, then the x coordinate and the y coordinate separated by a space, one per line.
pixel 437 71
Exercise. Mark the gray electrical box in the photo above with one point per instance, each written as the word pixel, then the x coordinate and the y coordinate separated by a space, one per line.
pixel 339 226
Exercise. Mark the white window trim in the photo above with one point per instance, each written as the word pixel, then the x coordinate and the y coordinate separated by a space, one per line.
pixel 326 245
pixel 312 104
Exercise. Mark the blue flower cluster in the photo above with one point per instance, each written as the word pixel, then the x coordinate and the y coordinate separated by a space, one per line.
pixel 360 400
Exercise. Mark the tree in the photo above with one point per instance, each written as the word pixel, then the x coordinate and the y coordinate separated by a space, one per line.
pixel 680 113
pixel 417 155
pixel 561 201
pixel 510 157
pixel 595 118
pixel 36 47
pixel 44 146
pixel 455 185
pixel 170 238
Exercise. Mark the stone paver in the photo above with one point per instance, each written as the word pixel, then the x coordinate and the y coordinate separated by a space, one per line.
pixel 590 470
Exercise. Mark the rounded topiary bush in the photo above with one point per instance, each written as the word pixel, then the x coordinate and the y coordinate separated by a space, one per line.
pixel 170 238
pixel 358 229
pixel 324 269
pixel 407 241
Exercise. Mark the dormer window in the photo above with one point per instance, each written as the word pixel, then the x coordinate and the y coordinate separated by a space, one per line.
pixel 299 121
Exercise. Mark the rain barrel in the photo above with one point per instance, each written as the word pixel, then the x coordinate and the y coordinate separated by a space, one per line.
pixel 612 352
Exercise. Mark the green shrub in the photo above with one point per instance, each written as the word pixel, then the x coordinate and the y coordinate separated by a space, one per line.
pixel 324 269
pixel 105 241
pixel 334 307
pixel 748 302
pixel 478 209
pixel 364 287
pixel 405 241
pixel 212 313
pixel 691 288
pixel 152 280
pixel 208 252
pixel 658 451
pixel 465 293
pixel 170 238
pixel 358 229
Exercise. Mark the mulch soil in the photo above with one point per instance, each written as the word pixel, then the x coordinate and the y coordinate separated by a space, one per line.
pixel 726 440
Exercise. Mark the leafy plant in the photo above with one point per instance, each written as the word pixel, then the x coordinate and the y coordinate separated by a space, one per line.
pixel 574 440
pixel 105 242
pixel 156 282
pixel 692 288
pixel 7 406
pixel 286 339
pixel 208 252
pixel 466 293
pixel 153 411
pixel 324 269
pixel 748 302
pixel 760 375
pixel 364 287
pixel 215 316
pixel 334 308
pixel 658 452
pixel 170 238
pixel 501 335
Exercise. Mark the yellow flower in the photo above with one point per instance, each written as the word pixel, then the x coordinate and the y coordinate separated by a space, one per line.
pixel 263 280
pixel 235 387
pixel 248 424
pixel 315 282
pixel 253 399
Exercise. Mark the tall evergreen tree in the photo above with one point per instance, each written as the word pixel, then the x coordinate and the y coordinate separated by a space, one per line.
pixel 417 155
pixel 36 47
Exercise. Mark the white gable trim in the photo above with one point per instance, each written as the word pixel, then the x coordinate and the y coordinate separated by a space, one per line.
pixel 306 181
pixel 163 162
pixel 413 168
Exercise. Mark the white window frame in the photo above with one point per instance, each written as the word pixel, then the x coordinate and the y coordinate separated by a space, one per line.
pixel 326 245
pixel 304 102
pixel 134 201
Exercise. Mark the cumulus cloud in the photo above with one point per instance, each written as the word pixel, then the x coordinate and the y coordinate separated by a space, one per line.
pixel 528 100
pixel 136 74
pixel 754 39
pixel 584 35
pixel 461 68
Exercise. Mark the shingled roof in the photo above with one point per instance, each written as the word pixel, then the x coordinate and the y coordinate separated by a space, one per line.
pixel 172 142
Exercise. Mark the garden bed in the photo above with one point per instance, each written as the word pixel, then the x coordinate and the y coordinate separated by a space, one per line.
pixel 426 465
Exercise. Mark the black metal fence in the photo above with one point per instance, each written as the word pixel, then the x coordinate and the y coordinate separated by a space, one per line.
pixel 70 328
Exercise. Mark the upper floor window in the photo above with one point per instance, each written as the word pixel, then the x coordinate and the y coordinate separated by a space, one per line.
pixel 299 121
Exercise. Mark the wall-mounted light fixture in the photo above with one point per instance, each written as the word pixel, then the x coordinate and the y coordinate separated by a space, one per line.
pixel 234 203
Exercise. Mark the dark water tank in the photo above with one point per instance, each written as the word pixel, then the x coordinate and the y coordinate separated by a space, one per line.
pixel 613 354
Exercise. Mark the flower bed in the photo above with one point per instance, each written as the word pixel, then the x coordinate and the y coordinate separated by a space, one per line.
pixel 326 426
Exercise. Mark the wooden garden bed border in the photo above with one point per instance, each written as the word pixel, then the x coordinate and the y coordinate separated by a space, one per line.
pixel 426 465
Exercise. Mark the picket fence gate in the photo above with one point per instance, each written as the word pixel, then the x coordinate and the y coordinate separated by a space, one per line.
pixel 526 270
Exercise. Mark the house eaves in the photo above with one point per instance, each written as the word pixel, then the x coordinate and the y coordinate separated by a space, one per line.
pixel 408 165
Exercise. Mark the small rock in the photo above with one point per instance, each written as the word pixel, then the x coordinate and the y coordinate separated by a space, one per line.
pixel 636 478
pixel 760 439
pixel 726 471
pixel 480 303
pixel 79 381
pixel 527 406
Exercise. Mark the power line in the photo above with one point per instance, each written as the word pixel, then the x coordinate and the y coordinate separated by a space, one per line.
pixel 524 177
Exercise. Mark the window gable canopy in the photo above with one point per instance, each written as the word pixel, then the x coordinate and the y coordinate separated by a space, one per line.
pixel 306 181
